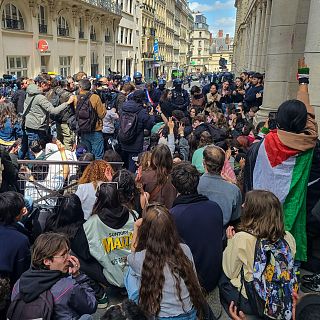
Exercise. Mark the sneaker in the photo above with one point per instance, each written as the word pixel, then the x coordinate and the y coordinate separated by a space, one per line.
pixel 311 278
pixel 310 287
pixel 103 302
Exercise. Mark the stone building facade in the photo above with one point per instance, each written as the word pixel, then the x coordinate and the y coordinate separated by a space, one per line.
pixel 270 36
pixel 201 38
pixel 58 36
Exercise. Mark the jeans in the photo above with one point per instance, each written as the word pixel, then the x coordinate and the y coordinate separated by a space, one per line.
pixel 129 163
pixel 191 315
pixel 94 143
pixel 28 137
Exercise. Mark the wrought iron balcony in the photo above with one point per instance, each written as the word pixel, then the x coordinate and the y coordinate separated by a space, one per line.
pixel 43 28
pixel 108 5
pixel 14 24
pixel 63 32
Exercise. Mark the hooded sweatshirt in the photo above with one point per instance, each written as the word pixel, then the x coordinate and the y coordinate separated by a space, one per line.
pixel 109 235
pixel 73 297
pixel 38 114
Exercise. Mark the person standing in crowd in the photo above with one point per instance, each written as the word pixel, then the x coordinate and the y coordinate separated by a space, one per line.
pixel 90 122
pixel 254 95
pixel 125 91
pixel 166 103
pixel 64 133
pixel 239 92
pixel 137 80
pixel 54 275
pixel 180 96
pixel 159 258
pixel 225 93
pixel 245 79
pixel 10 127
pixel 197 98
pixel 200 224
pixel 227 195
pixel 134 108
pixel 37 109
pixel 20 95
pixel 281 162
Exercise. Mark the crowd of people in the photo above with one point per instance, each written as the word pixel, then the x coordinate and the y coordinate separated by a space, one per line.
pixel 180 201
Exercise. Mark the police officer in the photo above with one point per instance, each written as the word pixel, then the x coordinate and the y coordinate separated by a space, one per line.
pixel 180 96
pixel 157 93
pixel 137 79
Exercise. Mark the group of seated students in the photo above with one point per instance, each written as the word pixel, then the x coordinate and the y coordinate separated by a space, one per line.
pixel 166 250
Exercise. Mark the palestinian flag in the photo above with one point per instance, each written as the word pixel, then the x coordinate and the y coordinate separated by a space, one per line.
pixel 285 172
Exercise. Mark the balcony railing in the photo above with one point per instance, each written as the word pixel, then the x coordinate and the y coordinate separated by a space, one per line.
pixel 43 28
pixel 63 32
pixel 14 24
pixel 81 34
pixel 108 5
pixel 93 36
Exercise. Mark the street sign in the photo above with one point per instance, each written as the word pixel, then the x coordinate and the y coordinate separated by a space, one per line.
pixel 193 63
pixel 43 45
pixel 156 47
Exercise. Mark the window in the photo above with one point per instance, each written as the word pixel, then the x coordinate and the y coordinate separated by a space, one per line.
pixel 12 18
pixel 82 61
pixel 107 36
pixel 126 35
pixel 93 35
pixel 42 20
pixel 81 32
pixel 130 37
pixel 63 27
pixel 121 35
pixel 108 62
pixel 65 66
pixel 17 65
pixel 200 34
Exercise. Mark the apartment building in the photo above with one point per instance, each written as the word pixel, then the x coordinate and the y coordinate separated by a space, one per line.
pixel 58 36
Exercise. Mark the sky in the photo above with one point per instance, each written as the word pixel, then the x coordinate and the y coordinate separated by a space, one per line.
pixel 221 14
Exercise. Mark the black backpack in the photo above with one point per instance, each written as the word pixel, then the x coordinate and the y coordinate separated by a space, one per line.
pixel 128 127
pixel 86 115
pixel 40 308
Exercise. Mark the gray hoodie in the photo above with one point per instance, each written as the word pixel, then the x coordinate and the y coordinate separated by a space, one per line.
pixel 40 109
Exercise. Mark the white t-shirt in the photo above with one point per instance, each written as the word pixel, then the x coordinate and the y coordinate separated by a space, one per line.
pixel 87 195
pixel 54 179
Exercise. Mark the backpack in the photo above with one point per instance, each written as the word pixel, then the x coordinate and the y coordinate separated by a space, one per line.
pixel 40 308
pixel 111 101
pixel 128 127
pixel 274 280
pixel 86 116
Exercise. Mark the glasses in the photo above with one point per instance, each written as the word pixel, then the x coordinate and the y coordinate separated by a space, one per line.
pixel 64 256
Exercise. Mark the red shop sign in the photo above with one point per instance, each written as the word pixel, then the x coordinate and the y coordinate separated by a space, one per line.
pixel 43 45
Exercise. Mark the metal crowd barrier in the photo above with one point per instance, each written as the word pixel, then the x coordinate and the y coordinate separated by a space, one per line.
pixel 48 183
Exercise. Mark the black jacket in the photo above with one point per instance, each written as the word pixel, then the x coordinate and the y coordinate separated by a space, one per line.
pixel 145 121
pixel 200 225
pixel 18 100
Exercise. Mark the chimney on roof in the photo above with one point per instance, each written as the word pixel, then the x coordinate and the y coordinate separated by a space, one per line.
pixel 227 38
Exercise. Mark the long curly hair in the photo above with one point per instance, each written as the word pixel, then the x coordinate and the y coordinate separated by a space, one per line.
pixel 94 172
pixel 7 110
pixel 159 237
pixel 161 163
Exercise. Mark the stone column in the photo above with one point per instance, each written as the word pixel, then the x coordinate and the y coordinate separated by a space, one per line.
pixel 312 55
pixel 251 42
pixel 279 54
pixel 265 36
pixel 262 31
pixel 256 39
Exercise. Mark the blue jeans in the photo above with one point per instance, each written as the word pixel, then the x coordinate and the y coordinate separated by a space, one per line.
pixel 28 137
pixel 94 143
pixel 191 315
